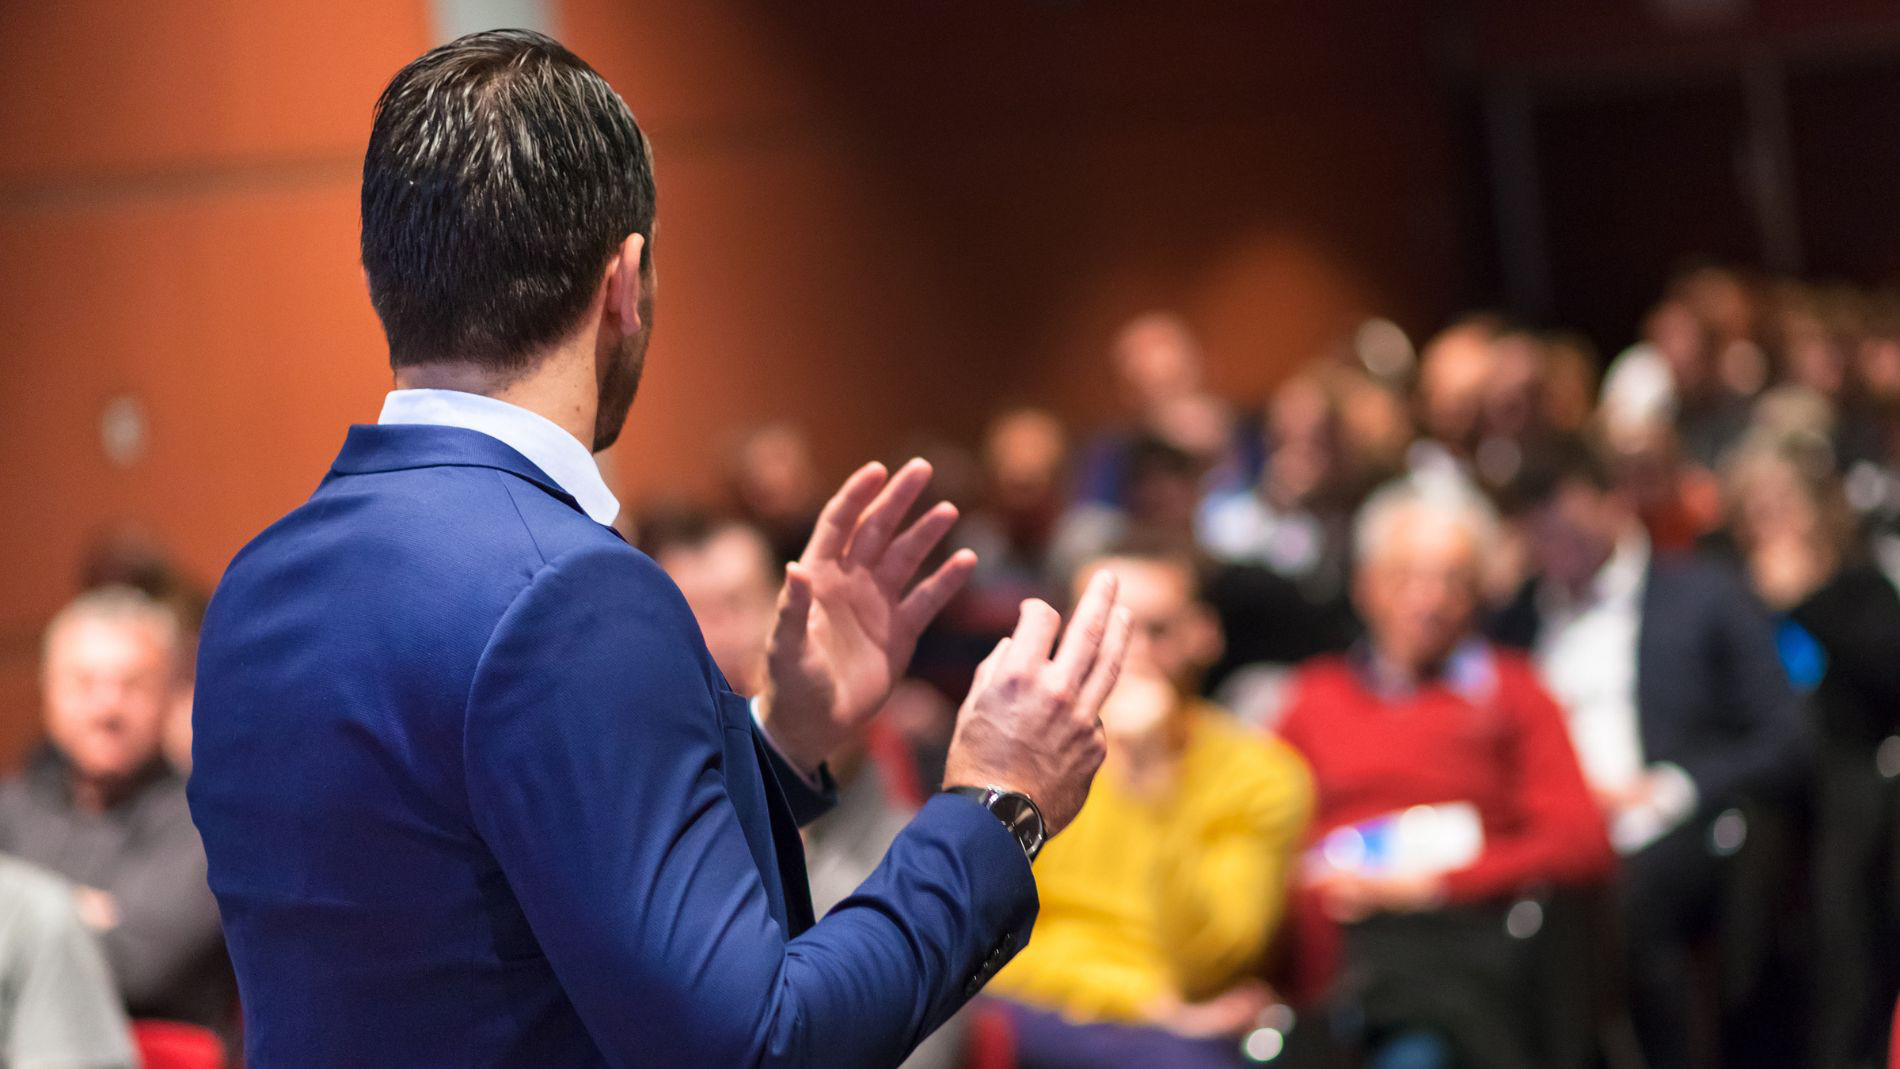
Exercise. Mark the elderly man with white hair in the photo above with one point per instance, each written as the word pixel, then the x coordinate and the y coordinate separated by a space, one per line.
pixel 1446 788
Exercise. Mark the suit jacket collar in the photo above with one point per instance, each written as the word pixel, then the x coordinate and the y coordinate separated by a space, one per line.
pixel 373 448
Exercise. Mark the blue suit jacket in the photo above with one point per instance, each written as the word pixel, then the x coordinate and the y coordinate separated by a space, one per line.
pixel 474 794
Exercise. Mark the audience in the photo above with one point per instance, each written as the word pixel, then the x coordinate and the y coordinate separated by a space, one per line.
pixel 58 1007
pixel 1159 901
pixel 1294 520
pixel 1678 707
pixel 99 805
pixel 1446 787
pixel 1159 375
pixel 1694 764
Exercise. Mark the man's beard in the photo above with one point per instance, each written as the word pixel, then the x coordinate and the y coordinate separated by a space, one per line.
pixel 618 387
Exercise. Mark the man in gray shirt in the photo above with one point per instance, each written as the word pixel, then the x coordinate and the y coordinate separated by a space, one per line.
pixel 99 806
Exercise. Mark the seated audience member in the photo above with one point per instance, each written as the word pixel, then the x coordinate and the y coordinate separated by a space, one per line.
pixel 1677 704
pixel 774 485
pixel 1294 521
pixel 1454 380
pixel 1025 452
pixel 1159 375
pixel 1838 628
pixel 1160 494
pixel 729 575
pixel 1446 787
pixel 58 1008
pixel 100 806
pixel 1159 900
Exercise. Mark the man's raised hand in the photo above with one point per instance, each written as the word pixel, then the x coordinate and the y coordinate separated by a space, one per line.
pixel 848 616
pixel 1032 722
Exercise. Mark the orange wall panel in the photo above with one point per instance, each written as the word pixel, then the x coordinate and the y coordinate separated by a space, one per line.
pixel 91 87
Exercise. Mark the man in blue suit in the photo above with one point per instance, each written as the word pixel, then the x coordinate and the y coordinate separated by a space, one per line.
pixel 472 791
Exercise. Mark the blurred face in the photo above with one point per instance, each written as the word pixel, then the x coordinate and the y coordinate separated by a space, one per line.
pixel 1677 334
pixel 1878 366
pixel 1513 390
pixel 1024 454
pixel 1157 361
pixel 108 685
pixel 776 477
pixel 1173 636
pixel 1304 433
pixel 1772 502
pixel 1575 532
pixel 1419 590
pixel 1453 383
pixel 729 585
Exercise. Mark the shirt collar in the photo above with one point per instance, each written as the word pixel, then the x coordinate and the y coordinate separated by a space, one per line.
pixel 1622 575
pixel 541 440
pixel 1469 672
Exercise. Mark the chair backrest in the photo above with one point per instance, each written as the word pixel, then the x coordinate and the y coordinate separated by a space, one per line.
pixel 176 1045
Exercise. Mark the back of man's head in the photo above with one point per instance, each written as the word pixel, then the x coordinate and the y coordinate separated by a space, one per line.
pixel 502 174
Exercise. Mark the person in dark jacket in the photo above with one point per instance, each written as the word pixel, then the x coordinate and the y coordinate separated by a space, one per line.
pixel 1838 630
pixel 1676 702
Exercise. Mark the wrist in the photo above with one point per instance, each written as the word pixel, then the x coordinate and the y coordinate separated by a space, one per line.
pixel 805 755
pixel 1019 814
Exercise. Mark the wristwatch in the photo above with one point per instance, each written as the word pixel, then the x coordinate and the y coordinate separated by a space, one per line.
pixel 1015 809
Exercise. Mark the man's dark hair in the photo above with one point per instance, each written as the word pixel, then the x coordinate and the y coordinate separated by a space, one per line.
pixel 502 173
pixel 1551 464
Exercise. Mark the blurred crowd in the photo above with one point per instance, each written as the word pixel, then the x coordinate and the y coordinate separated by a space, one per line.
pixel 1491 704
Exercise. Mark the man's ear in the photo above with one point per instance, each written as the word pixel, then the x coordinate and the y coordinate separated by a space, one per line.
pixel 625 282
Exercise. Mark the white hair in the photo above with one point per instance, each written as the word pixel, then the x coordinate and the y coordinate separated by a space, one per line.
pixel 1442 496
pixel 120 605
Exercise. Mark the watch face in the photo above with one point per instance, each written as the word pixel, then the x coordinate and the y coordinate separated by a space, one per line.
pixel 1020 816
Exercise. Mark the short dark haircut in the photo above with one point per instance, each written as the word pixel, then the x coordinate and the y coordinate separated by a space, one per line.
pixel 502 173
pixel 1550 464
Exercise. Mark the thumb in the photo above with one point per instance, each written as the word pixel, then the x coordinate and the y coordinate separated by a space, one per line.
pixel 794 611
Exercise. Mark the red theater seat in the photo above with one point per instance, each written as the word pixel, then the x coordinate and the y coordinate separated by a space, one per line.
pixel 175 1045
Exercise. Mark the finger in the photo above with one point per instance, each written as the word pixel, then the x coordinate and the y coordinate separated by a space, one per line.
pixel 840 515
pixel 1036 629
pixel 1088 626
pixel 794 611
pixel 928 598
pixel 1108 664
pixel 879 522
pixel 909 549
pixel 987 667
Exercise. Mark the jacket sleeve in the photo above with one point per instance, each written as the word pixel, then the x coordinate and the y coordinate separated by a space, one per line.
pixel 1557 835
pixel 593 755
pixel 1762 742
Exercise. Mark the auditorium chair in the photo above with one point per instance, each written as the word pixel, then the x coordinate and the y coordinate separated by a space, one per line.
pixel 175 1045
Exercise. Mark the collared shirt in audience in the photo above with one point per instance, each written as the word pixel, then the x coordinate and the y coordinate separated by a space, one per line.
pixel 1586 651
pixel 1176 897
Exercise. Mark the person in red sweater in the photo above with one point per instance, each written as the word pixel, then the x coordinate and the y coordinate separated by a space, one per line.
pixel 1446 787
